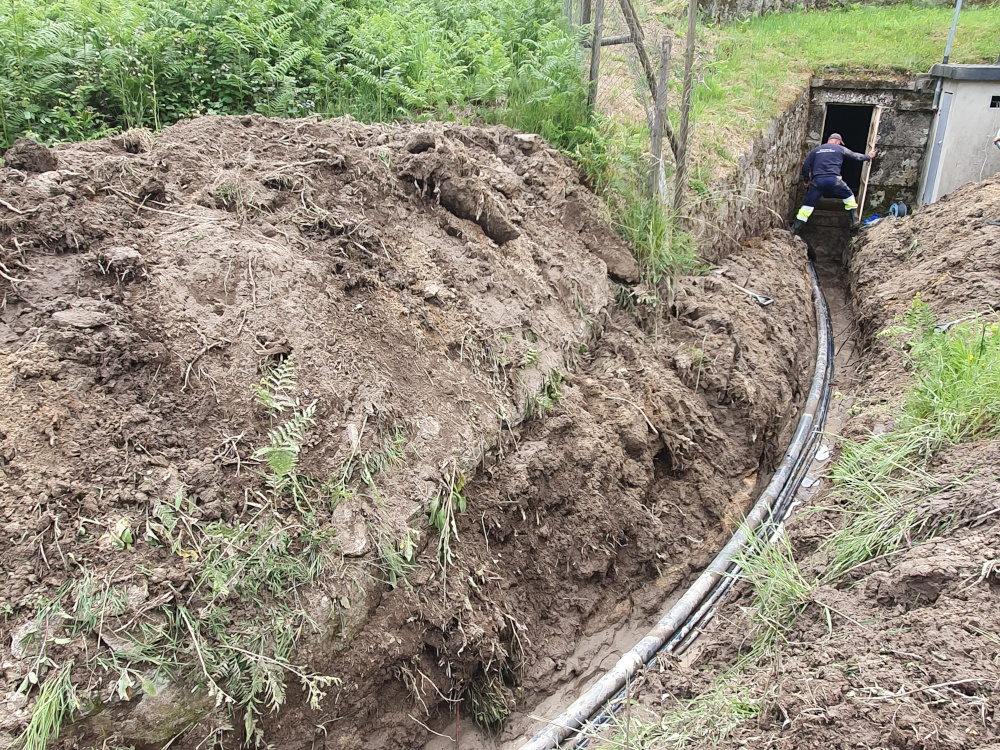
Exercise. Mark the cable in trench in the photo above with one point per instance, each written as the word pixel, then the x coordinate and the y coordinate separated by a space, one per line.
pixel 683 622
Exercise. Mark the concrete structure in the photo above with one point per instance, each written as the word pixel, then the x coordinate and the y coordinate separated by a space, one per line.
pixel 764 190
pixel 891 115
pixel 965 123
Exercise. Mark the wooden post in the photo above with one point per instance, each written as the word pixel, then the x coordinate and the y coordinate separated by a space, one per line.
pixel 595 54
pixel 680 176
pixel 585 12
pixel 632 21
pixel 635 29
pixel 656 181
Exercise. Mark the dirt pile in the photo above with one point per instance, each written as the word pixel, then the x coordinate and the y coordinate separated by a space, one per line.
pixel 902 650
pixel 946 253
pixel 242 361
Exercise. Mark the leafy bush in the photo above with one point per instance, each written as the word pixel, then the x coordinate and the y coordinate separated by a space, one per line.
pixel 76 69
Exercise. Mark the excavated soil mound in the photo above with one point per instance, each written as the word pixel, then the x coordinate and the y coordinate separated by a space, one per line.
pixel 908 656
pixel 243 344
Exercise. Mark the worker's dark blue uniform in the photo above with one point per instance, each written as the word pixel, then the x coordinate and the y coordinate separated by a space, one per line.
pixel 821 170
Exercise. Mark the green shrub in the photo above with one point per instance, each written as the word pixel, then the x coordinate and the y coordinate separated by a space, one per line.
pixel 76 69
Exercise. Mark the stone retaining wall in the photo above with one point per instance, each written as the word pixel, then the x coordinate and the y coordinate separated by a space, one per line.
pixel 763 189
pixel 755 195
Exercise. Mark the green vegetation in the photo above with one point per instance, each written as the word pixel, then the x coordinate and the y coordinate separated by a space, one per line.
pixel 234 632
pixel 539 403
pixel 396 559
pixel 700 722
pixel 780 591
pixel 488 696
pixel 76 69
pixel 883 481
pixel 56 700
pixel 615 164
pixel 444 507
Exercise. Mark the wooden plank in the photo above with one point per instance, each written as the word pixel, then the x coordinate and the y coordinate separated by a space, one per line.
pixel 632 21
pixel 610 41
pixel 866 170
pixel 680 175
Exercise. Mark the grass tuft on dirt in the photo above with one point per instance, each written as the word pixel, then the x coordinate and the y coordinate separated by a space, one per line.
pixel 884 480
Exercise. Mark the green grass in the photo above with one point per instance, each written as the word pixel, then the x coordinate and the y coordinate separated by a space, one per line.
pixel 445 506
pixel 883 481
pixel 614 162
pixel 780 591
pixel 56 701
pixel 703 721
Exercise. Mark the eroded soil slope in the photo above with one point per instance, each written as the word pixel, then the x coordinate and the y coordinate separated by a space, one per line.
pixel 902 651
pixel 240 362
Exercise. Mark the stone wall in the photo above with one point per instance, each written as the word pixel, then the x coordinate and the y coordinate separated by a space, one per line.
pixel 755 196
pixel 902 135
pixel 721 11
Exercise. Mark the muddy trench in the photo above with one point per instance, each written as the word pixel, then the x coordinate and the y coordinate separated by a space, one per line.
pixel 828 248
pixel 903 106
pixel 456 310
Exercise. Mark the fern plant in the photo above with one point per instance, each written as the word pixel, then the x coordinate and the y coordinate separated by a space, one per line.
pixel 276 390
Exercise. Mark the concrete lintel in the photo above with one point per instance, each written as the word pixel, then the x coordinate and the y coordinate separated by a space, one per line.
pixel 916 83
pixel 915 106
pixel 966 72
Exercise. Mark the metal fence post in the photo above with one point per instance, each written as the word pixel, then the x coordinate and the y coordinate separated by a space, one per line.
pixel 595 54
pixel 657 182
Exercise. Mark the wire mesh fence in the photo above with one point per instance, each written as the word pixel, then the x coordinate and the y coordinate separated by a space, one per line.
pixel 625 72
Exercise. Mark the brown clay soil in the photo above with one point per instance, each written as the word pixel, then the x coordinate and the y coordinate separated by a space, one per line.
pixel 455 309
pixel 910 656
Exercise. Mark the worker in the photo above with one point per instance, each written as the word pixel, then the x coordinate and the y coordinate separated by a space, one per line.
pixel 821 176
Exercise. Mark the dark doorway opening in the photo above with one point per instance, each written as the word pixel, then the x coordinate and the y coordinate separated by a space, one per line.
pixel 853 122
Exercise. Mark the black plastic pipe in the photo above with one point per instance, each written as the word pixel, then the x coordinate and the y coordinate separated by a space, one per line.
pixel 705 593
